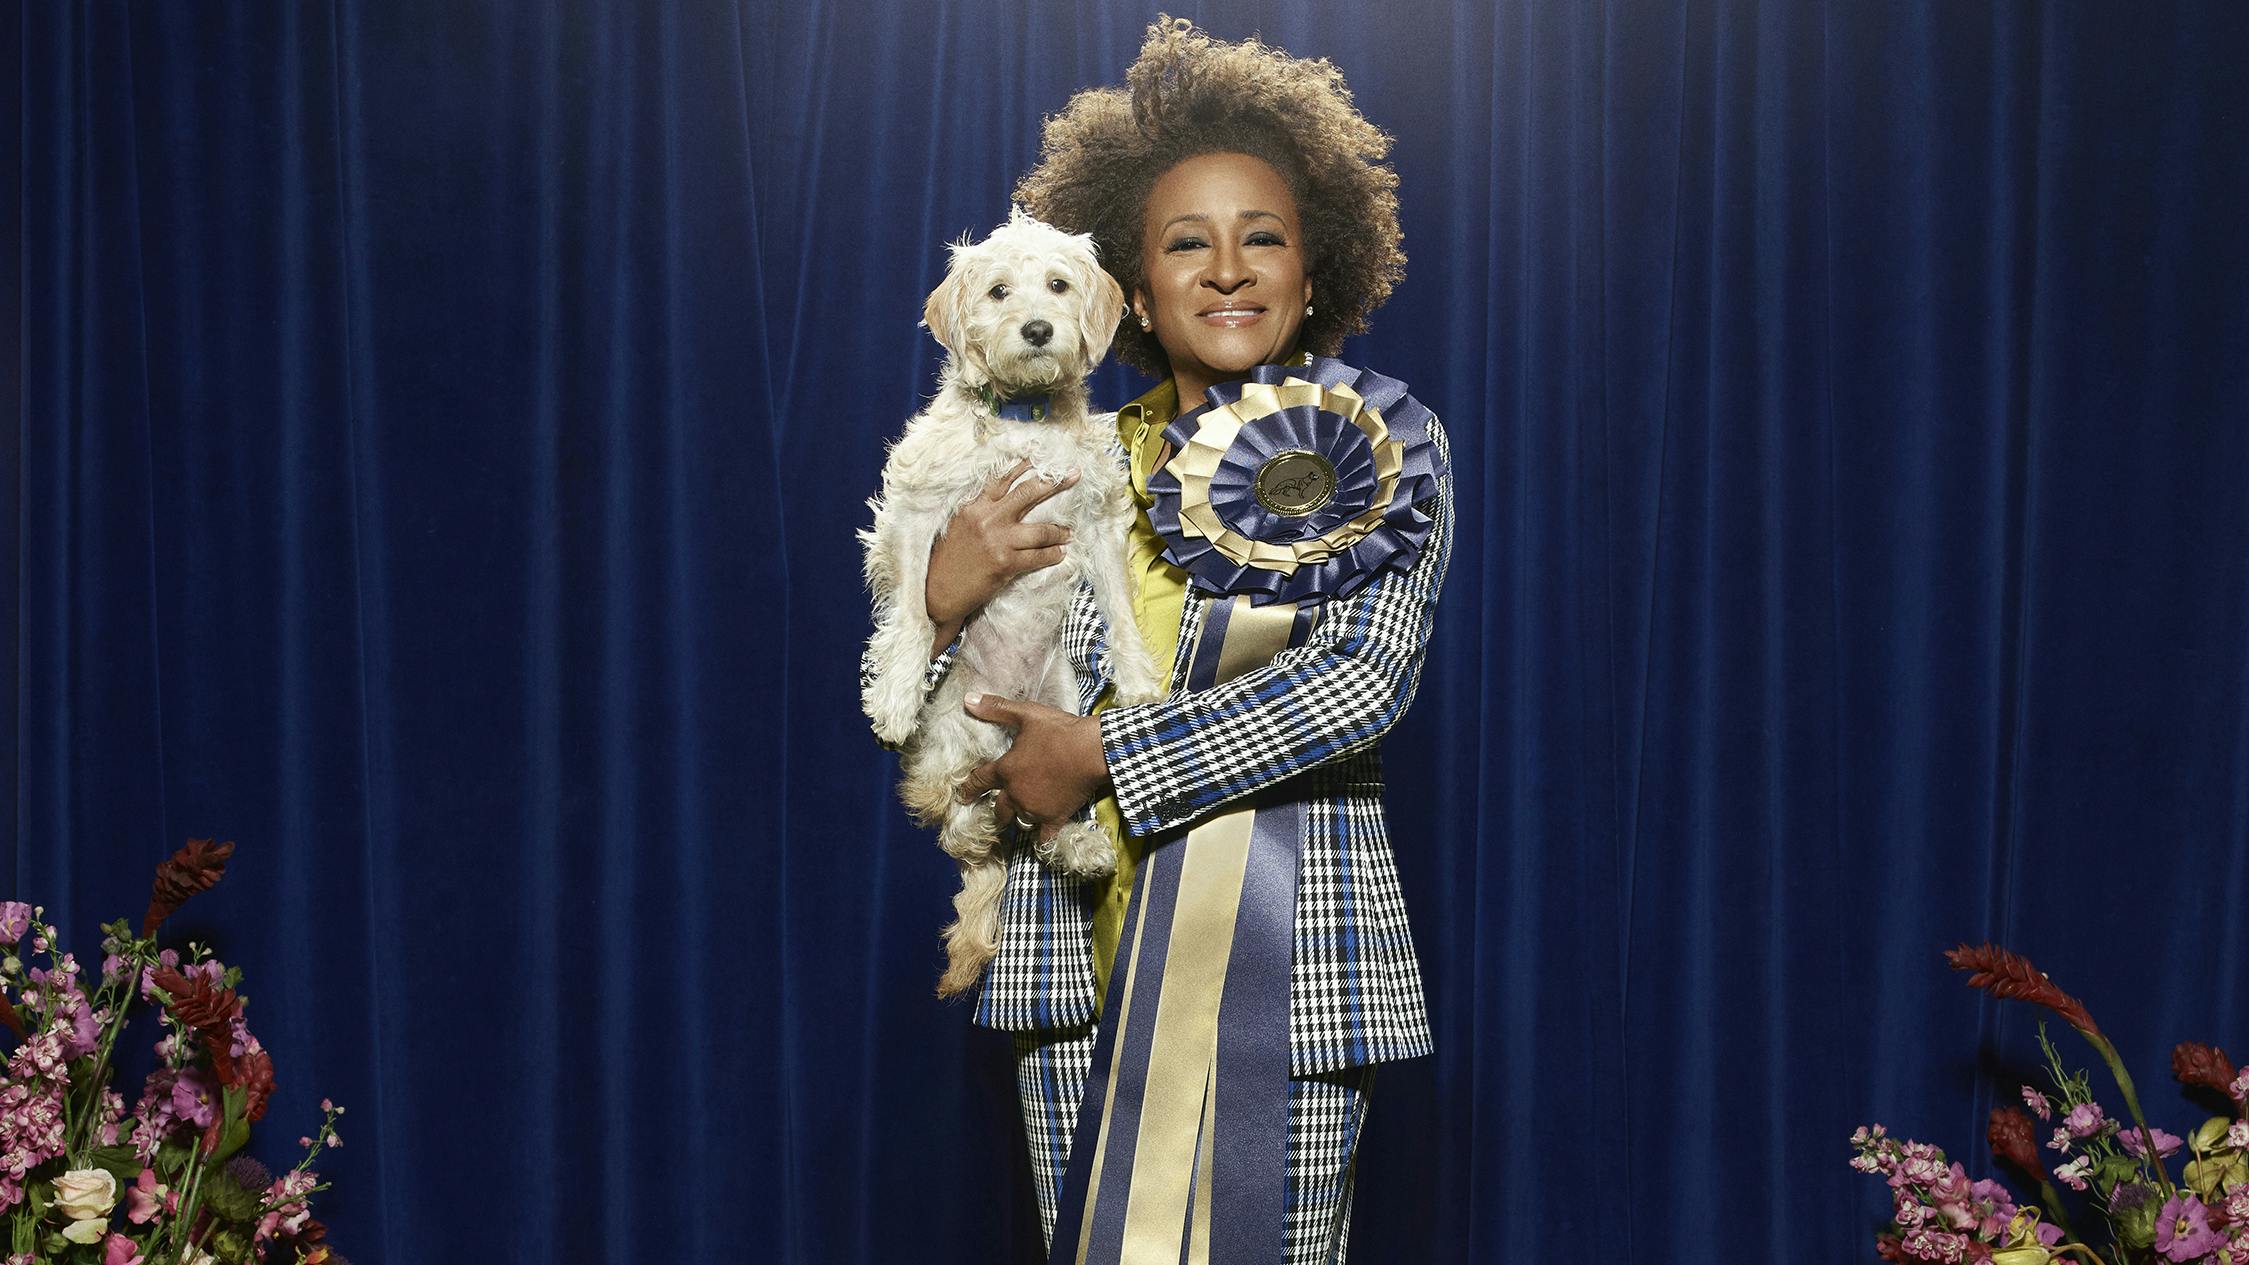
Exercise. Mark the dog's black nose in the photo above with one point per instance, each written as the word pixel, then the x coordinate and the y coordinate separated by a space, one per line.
pixel 1037 333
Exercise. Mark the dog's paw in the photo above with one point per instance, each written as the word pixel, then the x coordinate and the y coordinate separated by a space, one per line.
pixel 893 702
pixel 894 724
pixel 1132 694
pixel 1081 848
pixel 1137 681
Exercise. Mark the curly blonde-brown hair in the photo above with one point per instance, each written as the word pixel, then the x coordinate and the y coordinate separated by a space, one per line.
pixel 1188 94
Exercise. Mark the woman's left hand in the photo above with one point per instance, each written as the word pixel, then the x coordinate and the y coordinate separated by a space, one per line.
pixel 1054 768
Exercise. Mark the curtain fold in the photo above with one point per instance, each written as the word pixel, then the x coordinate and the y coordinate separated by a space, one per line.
pixel 441 429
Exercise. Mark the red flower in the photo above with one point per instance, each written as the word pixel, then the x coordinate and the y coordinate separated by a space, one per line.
pixel 2194 1063
pixel 194 868
pixel 2014 1139
pixel 197 1002
pixel 254 1073
pixel 9 1017
pixel 2010 975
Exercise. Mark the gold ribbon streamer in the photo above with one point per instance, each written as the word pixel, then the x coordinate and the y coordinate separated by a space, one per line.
pixel 1176 1118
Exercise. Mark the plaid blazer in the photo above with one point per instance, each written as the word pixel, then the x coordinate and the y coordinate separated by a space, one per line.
pixel 1314 717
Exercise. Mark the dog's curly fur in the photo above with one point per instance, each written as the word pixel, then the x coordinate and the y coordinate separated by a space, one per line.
pixel 994 293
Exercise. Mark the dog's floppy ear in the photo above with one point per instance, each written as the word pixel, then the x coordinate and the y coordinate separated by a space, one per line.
pixel 940 312
pixel 1103 312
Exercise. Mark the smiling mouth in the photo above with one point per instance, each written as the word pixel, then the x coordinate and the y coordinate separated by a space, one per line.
pixel 1231 317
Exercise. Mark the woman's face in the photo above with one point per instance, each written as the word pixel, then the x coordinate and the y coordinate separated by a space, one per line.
pixel 1222 254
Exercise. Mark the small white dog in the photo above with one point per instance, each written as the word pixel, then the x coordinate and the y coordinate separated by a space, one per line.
pixel 1024 316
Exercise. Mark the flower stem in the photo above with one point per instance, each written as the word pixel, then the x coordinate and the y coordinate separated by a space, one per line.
pixel 2148 1158
pixel 189 1197
pixel 2060 1248
pixel 100 1076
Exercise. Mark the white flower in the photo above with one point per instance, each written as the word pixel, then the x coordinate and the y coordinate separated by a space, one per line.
pixel 90 1230
pixel 2237 1135
pixel 86 1194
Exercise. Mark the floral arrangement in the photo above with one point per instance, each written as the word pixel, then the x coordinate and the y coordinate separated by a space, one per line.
pixel 83 1181
pixel 2118 1167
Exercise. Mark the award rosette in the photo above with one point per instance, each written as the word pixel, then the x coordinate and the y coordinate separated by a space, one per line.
pixel 1297 485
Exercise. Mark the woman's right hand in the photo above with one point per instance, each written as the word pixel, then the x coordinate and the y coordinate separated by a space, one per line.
pixel 986 545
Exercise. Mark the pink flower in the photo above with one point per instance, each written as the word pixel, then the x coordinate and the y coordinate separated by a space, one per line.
pixel 2085 1119
pixel 2074 1173
pixel 15 919
pixel 148 1197
pixel 2182 1229
pixel 2037 1103
pixel 119 1250
pixel 194 1099
pixel 2239 1090
pixel 2166 1144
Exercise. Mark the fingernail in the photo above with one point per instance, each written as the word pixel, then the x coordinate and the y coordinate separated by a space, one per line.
pixel 975 700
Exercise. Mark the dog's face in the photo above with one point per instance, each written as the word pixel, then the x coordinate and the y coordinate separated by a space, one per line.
pixel 1027 308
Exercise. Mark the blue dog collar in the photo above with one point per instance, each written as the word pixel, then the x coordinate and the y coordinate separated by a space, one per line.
pixel 1027 408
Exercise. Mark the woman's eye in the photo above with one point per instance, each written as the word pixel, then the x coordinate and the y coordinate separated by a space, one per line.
pixel 1058 285
pixel 1185 243
pixel 1266 239
pixel 999 292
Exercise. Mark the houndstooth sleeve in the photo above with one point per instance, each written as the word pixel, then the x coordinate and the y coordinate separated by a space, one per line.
pixel 934 674
pixel 1174 761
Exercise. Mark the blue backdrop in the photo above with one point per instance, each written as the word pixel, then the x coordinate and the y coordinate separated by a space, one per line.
pixel 441 429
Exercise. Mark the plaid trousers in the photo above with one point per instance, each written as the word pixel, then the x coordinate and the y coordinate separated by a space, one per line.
pixel 1325 1114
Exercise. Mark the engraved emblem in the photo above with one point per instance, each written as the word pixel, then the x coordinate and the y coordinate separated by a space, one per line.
pixel 1294 483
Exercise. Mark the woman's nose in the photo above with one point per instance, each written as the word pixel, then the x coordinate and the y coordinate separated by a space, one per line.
pixel 1228 270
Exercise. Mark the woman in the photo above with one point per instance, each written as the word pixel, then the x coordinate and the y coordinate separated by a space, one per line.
pixel 1240 200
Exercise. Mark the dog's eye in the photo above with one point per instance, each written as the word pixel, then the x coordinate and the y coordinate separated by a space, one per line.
pixel 1058 285
pixel 998 292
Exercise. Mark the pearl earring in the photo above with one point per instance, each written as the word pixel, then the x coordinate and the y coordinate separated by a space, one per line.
pixel 1307 309
pixel 1144 324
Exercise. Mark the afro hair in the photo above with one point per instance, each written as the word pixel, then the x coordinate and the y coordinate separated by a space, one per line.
pixel 1188 94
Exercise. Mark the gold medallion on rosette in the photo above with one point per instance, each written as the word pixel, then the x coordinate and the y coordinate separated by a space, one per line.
pixel 1293 483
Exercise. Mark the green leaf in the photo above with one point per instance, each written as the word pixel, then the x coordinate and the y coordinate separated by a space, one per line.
pixel 172 1157
pixel 2208 1177
pixel 121 1162
pixel 2116 1169
pixel 235 1133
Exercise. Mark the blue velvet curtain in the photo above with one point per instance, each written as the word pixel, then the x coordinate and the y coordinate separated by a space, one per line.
pixel 440 430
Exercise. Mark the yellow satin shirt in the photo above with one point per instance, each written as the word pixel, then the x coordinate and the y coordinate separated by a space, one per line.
pixel 1159 599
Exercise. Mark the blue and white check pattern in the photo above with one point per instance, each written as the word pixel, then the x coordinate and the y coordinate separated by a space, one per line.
pixel 1326 1114
pixel 1315 714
